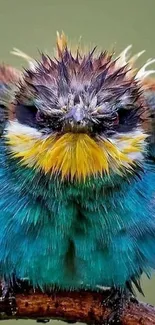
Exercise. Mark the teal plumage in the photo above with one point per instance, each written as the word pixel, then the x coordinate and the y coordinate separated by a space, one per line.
pixel 99 231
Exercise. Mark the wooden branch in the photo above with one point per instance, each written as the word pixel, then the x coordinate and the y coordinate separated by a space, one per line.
pixel 82 306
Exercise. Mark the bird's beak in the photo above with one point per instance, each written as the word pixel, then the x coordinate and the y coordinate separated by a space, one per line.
pixel 76 114
pixel 75 120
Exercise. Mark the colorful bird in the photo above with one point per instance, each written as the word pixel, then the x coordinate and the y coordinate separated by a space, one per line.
pixel 77 172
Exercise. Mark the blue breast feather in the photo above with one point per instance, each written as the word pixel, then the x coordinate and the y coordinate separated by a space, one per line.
pixel 100 233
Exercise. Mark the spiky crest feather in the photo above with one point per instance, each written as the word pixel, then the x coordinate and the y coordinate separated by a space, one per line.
pixel 99 81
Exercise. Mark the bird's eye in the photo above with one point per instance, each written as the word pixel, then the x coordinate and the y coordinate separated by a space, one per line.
pixel 26 114
pixel 115 120
pixel 64 109
pixel 128 118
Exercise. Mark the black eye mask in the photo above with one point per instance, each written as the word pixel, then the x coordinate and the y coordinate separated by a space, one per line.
pixel 30 116
pixel 128 119
pixel 26 115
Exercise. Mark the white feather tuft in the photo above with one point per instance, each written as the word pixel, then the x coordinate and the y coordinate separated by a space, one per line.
pixel 15 127
pixel 135 57
pixel 143 73
pixel 123 57
pixel 31 62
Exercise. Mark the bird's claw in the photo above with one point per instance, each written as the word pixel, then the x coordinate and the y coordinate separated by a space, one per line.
pixel 116 302
pixel 7 294
pixel 113 318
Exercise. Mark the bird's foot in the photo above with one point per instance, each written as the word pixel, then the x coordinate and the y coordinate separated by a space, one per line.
pixel 116 301
pixel 8 297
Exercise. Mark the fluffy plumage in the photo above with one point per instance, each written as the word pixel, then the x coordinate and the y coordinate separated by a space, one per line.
pixel 77 172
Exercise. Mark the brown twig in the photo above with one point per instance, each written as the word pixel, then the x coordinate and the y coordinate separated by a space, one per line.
pixel 83 306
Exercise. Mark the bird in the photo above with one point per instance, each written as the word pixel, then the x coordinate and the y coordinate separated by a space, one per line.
pixel 77 170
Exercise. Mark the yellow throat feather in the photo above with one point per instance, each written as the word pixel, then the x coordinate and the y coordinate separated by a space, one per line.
pixel 74 155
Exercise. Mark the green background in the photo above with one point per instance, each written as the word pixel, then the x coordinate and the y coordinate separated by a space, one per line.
pixel 31 26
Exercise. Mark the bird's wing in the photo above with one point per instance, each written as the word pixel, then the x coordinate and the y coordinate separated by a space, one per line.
pixel 149 93
pixel 9 79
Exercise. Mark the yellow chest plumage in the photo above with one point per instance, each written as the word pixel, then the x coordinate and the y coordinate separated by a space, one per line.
pixel 74 155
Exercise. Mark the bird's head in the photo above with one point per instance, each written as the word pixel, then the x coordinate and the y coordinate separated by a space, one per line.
pixel 79 115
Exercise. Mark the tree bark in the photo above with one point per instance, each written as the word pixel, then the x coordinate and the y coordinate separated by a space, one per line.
pixel 82 306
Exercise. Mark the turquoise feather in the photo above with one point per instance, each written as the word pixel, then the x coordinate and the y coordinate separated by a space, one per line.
pixel 75 235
